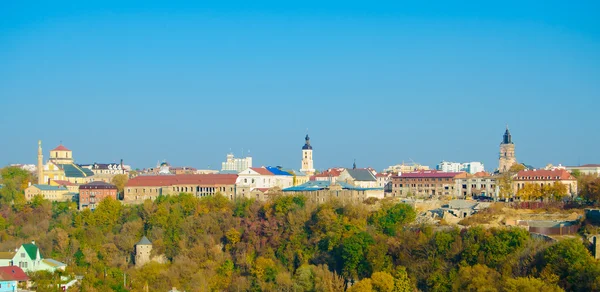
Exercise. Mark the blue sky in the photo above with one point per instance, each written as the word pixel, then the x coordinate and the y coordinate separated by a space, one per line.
pixel 382 82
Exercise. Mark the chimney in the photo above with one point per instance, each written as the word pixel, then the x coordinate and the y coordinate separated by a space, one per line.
pixel 33 242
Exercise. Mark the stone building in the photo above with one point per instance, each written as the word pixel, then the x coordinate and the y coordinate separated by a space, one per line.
pixel 51 193
pixel 307 157
pixel 106 171
pixel 425 184
pixel 360 177
pixel 324 191
pixel 543 177
pixel 143 250
pixel 91 194
pixel 143 187
pixel 507 152
pixel 478 184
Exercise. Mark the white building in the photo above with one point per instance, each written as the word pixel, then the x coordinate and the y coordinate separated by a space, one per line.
pixel 586 169
pixel 236 164
pixel 307 158
pixel 468 167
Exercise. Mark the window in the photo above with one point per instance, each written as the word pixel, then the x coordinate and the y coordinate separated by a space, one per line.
pixel 22 255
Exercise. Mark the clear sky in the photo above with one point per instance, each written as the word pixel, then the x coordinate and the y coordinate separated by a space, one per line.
pixel 382 82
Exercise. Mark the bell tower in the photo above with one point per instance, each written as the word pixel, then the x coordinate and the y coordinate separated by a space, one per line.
pixel 307 159
pixel 507 152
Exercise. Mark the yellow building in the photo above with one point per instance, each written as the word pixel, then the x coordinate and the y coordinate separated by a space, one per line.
pixel 52 193
pixel 61 166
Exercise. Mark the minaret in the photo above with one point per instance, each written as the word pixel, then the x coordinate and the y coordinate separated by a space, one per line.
pixel 40 164
pixel 307 159
pixel 507 152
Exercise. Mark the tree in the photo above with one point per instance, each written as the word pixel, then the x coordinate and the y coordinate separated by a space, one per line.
pixel 589 187
pixel 530 192
pixel 120 180
pixel 573 264
pixel 389 218
pixel 529 284
pixel 476 278
pixel 363 285
pixel 382 282
pixel 14 180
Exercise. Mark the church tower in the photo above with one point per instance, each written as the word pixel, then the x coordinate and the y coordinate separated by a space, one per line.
pixel 40 164
pixel 307 159
pixel 507 152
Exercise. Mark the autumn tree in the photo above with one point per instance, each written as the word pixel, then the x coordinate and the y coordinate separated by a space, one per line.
pixel 120 180
pixel 589 187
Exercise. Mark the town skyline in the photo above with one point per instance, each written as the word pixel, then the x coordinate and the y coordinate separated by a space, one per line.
pixel 491 164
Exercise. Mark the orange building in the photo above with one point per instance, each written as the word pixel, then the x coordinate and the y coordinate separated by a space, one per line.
pixel 91 194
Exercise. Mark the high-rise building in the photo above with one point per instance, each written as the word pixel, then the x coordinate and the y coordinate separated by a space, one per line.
pixel 236 164
pixel 307 158
pixel 469 167
pixel 507 152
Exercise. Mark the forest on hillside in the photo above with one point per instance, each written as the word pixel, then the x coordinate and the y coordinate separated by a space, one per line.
pixel 287 244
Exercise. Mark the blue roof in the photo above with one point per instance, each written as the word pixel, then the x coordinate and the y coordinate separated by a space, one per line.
pixel 277 171
pixel 50 188
pixel 317 185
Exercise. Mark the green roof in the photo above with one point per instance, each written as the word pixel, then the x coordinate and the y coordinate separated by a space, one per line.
pixel 31 250
pixel 71 170
pixel 50 188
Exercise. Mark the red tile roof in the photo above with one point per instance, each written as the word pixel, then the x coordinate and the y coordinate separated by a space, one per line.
pixel 428 174
pixel 64 183
pixel 541 174
pixel 261 171
pixel 182 179
pixel 60 148
pixel 333 172
pixel 13 273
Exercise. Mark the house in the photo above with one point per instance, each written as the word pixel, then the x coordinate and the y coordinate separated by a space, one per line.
pixel 328 175
pixel 28 258
pixel 91 194
pixel 384 181
pixel 71 187
pixel 254 178
pixel 299 177
pixel 52 193
pixel 10 277
pixel 283 179
pixel 360 177
pixel 586 169
pixel 143 187
pixel 544 177
pixel 105 171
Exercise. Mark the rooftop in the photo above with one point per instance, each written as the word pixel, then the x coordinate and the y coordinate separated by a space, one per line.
pixel 361 174
pixel 13 273
pixel 428 174
pixel 542 174
pixel 144 241
pixel 317 185
pixel 50 188
pixel 97 185
pixel 60 148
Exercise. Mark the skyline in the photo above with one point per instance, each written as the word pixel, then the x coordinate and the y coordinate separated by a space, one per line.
pixel 186 82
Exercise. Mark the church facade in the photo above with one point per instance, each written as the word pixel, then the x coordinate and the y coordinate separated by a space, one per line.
pixel 61 166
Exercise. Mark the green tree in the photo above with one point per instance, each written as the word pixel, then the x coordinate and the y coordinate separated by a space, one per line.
pixel 573 264
pixel 14 181
pixel 120 180
pixel 390 218
pixel 476 278
pixel 529 284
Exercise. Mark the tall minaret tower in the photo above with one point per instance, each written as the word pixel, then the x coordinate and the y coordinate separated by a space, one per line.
pixel 40 164
pixel 507 152
pixel 307 159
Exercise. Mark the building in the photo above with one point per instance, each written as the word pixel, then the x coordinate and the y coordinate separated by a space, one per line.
pixel 408 167
pixel 51 193
pixel 425 184
pixel 262 178
pixel 543 177
pixel 299 177
pixel 359 177
pixel 469 167
pixel 143 250
pixel 91 194
pixel 71 187
pixel 384 181
pixel 105 171
pixel 307 157
pixel 143 187
pixel 324 191
pixel 29 258
pixel 331 175
pixel 479 184
pixel 586 169
pixel 61 166
pixel 283 179
pixel 10 277
pixel 236 164
pixel 507 153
